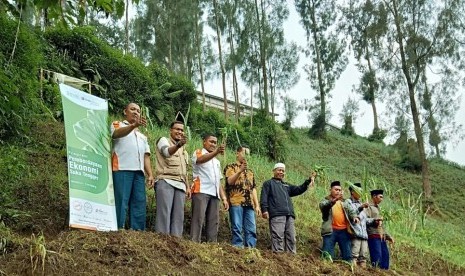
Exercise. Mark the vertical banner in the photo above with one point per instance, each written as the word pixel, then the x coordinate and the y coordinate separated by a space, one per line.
pixel 91 196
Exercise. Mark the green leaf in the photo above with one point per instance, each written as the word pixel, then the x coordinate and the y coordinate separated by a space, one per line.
pixel 120 7
pixel 160 115
pixel 165 86
pixel 173 94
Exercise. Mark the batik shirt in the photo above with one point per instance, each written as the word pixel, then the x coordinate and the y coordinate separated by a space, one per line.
pixel 239 193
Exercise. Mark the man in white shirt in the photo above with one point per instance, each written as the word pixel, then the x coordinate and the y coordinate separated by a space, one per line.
pixel 207 189
pixel 171 184
pixel 130 159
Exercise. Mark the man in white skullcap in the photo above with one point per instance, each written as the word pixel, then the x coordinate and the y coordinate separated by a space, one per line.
pixel 276 206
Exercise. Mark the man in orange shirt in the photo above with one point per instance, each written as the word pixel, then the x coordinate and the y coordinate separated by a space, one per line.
pixel 337 214
pixel 207 189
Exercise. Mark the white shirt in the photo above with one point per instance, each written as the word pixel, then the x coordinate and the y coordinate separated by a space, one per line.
pixel 128 152
pixel 207 176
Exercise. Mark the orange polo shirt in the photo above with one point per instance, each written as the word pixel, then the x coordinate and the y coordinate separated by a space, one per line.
pixel 339 218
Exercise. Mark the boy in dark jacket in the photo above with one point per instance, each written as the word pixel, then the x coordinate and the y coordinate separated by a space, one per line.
pixel 276 205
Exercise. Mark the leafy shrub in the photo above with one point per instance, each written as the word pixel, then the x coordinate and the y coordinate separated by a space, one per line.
pixel 52 98
pixel 378 135
pixel 409 156
pixel 347 128
pixel 266 137
pixel 318 129
pixel 176 94
pixel 119 78
pixel 210 121
pixel 20 59
pixel 13 168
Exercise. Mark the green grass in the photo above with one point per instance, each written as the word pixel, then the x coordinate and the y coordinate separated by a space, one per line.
pixel 422 241
pixel 355 159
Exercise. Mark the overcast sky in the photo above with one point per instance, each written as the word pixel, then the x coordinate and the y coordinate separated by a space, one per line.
pixel 364 124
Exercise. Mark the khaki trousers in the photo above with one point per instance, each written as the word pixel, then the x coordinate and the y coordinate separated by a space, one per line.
pixel 359 250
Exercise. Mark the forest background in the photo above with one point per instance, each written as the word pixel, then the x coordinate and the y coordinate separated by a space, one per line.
pixel 409 56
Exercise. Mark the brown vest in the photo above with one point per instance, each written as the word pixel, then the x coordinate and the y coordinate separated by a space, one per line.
pixel 173 167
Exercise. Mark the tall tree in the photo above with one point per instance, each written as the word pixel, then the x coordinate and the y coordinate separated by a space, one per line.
pixel 282 70
pixel 421 33
pixel 348 116
pixel 232 10
pixel 365 22
pixel 198 43
pixel 164 31
pixel 291 109
pixel 440 103
pixel 219 26
pixel 126 28
pixel 65 13
pixel 261 20
pixel 262 32
pixel 326 50
pixel 110 31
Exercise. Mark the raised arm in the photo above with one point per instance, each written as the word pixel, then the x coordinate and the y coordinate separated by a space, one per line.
pixel 166 150
pixel 209 156
pixel 298 190
pixel 119 132
pixel 231 179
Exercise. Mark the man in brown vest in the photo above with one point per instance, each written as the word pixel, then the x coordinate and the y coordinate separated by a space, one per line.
pixel 171 186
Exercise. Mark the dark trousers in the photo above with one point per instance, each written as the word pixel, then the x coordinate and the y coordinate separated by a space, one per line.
pixel 340 237
pixel 379 253
pixel 205 208
pixel 282 231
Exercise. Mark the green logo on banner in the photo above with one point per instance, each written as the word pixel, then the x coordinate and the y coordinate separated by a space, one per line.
pixel 89 171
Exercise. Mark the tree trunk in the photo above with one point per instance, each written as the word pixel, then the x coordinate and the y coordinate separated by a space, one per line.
pixel 170 42
pixel 16 37
pixel 198 43
pixel 126 26
pixel 262 51
pixel 272 91
pixel 260 95
pixel 375 116
pixel 238 103
pixel 237 110
pixel 373 104
pixel 234 80
pixel 46 19
pixel 223 72
pixel 414 109
pixel 319 71
pixel 251 106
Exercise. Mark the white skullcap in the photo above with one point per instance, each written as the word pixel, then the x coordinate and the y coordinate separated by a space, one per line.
pixel 279 165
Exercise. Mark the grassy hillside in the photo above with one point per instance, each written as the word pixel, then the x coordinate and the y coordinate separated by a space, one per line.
pixel 356 159
pixel 33 179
